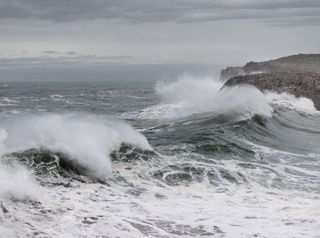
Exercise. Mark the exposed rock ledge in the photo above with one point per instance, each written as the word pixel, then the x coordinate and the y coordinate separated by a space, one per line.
pixel 300 84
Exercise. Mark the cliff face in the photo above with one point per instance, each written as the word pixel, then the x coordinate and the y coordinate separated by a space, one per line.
pixel 300 84
pixel 293 63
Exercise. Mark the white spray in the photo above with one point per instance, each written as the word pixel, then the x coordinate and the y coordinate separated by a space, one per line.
pixel 89 140
pixel 193 95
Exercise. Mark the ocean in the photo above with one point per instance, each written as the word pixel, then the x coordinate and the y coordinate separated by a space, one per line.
pixel 183 158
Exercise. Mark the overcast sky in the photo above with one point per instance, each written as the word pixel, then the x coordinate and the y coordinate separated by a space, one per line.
pixel 208 32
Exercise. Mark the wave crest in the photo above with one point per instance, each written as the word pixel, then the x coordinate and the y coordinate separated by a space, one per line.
pixel 189 95
pixel 86 140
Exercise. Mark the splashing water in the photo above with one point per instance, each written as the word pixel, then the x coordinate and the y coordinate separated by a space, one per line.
pixel 189 95
pixel 87 139
pixel 206 176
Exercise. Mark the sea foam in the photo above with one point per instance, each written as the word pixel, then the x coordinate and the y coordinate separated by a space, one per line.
pixel 17 182
pixel 191 95
pixel 291 101
pixel 89 140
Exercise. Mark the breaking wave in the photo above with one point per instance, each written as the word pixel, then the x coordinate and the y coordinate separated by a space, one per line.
pixel 73 144
pixel 194 95
pixel 227 155
pixel 189 95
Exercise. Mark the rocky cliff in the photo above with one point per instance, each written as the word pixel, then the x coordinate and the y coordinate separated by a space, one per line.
pixel 293 63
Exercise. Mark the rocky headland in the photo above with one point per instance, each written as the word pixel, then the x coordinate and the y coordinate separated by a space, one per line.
pixel 292 63
pixel 297 74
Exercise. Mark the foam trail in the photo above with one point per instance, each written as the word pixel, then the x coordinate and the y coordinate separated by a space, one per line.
pixel 87 139
pixel 194 95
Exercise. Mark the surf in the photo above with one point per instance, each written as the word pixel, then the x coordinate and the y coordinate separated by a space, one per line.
pixel 82 139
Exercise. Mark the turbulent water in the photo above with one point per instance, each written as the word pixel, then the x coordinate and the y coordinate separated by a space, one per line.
pixel 177 159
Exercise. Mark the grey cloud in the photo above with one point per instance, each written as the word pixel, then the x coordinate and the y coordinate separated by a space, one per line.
pixel 51 52
pixel 160 10
pixel 60 71
pixel 10 10
pixel 62 59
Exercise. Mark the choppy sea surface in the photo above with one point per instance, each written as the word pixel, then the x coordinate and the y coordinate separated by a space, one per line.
pixel 166 159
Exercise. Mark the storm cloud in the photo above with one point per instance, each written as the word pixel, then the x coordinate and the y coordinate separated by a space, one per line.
pixel 140 11
pixel 106 37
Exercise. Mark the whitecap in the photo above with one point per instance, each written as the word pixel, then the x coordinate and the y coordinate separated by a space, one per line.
pixel 87 139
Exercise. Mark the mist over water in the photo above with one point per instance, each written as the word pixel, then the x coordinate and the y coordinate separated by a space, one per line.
pixel 173 159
